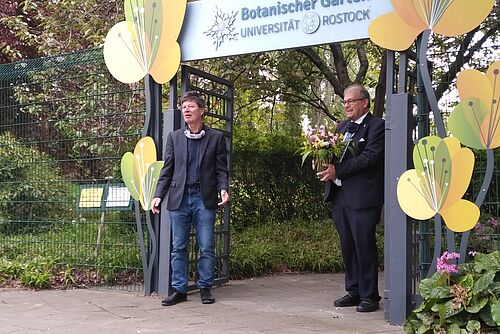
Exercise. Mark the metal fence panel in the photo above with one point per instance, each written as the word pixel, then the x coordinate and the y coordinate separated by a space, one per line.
pixel 64 125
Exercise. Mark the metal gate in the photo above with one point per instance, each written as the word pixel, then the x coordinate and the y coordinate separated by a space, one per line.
pixel 218 94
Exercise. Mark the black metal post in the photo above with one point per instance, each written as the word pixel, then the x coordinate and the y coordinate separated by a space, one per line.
pixel 153 128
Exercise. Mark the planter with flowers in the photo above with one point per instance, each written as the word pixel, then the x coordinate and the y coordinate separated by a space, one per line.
pixel 463 299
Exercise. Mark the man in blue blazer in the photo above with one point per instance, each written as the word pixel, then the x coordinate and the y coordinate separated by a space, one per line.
pixel 194 174
pixel 355 186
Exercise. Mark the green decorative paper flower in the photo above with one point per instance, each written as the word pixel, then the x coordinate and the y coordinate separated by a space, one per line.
pixel 475 120
pixel 441 176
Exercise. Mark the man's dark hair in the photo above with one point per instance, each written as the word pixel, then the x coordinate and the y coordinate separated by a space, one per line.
pixel 363 92
pixel 194 96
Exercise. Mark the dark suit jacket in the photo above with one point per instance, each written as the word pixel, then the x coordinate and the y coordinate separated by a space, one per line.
pixel 362 175
pixel 214 174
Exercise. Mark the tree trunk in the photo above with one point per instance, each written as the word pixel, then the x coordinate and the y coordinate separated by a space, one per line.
pixel 379 99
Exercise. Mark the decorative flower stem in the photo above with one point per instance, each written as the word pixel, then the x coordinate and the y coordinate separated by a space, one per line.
pixel 437 244
pixel 426 79
pixel 488 176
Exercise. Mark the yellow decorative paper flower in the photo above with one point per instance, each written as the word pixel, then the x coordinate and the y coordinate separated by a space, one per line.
pixel 441 176
pixel 397 30
pixel 140 171
pixel 146 42
pixel 475 120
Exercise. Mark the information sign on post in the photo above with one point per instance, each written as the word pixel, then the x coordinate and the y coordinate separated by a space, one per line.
pixel 104 197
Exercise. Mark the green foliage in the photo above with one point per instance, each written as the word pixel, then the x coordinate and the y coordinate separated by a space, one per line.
pixel 259 250
pixel 34 273
pixel 485 236
pixel 65 256
pixel 81 120
pixel 276 248
pixel 10 269
pixel 31 186
pixel 42 27
pixel 38 272
pixel 68 276
pixel 466 302
pixel 272 187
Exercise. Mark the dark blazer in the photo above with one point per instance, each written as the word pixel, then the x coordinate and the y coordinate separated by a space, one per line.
pixel 362 174
pixel 214 174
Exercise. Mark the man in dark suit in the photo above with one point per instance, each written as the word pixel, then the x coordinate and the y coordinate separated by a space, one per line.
pixel 194 174
pixel 355 186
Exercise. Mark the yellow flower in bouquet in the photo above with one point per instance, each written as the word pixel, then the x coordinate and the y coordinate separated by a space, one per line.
pixel 322 145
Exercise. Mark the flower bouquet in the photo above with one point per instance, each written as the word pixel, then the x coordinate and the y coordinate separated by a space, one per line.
pixel 322 145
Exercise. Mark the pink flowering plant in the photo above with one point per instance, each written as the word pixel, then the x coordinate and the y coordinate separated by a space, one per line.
pixel 322 145
pixel 446 264
pixel 459 298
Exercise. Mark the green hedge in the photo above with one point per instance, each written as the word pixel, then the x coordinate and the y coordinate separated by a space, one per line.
pixel 272 187
pixel 294 247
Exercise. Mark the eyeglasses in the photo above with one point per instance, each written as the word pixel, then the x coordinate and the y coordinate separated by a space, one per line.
pixel 353 100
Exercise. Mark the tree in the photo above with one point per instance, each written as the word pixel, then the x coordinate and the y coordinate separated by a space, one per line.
pixel 308 79
pixel 34 28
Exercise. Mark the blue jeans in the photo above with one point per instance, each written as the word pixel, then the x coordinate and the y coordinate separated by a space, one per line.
pixel 192 211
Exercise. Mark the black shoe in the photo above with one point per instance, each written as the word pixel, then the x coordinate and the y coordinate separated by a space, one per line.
pixel 206 296
pixel 347 300
pixel 174 298
pixel 367 305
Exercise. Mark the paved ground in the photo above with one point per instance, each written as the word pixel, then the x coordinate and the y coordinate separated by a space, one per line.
pixel 284 304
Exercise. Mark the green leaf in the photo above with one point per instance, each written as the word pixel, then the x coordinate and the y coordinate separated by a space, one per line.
pixel 423 329
pixel 428 284
pixel 449 311
pixel 483 282
pixel 476 304
pixel 495 312
pixel 304 156
pixel 441 292
pixel 454 329
pixel 486 316
pixel 473 326
pixel 487 262
pixel 467 281
pixel 425 317
pixel 408 328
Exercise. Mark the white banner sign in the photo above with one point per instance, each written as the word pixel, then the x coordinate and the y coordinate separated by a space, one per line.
pixel 232 27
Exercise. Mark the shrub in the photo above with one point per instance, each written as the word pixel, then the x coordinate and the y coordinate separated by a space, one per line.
pixel 465 302
pixel 485 237
pixel 276 248
pixel 271 186
pixel 32 190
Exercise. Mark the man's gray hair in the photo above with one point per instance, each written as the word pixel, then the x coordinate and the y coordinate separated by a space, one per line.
pixel 363 92
pixel 195 96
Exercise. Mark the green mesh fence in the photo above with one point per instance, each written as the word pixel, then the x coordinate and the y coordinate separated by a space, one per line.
pixel 64 125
